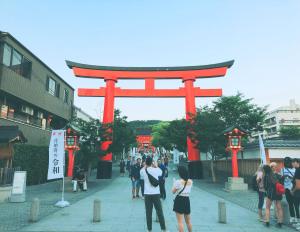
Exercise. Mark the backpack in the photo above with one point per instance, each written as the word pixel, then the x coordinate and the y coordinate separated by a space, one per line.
pixel 279 189
pixel 254 183
pixel 153 181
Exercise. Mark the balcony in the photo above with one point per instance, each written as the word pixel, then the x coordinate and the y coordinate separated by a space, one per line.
pixel 24 119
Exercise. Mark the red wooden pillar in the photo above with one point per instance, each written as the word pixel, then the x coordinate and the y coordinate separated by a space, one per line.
pixel 194 163
pixel 108 114
pixel 104 169
pixel 234 163
pixel 190 110
pixel 71 163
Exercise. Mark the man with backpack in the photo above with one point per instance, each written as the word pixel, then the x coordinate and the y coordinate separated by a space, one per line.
pixel 150 175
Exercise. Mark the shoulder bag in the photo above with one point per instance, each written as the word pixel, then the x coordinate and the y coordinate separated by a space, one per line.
pixel 153 181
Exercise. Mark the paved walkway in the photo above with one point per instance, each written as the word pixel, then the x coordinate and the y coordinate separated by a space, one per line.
pixel 14 216
pixel 121 213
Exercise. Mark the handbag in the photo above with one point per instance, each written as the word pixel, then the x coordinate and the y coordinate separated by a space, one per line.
pixel 153 181
pixel 279 189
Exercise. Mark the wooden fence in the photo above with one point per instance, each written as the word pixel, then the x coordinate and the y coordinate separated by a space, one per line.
pixel 223 169
pixel 7 175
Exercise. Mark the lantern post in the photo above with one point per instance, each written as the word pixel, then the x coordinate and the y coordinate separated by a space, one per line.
pixel 234 144
pixel 71 145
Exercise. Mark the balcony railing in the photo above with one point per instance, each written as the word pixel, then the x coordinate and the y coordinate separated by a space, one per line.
pixel 21 118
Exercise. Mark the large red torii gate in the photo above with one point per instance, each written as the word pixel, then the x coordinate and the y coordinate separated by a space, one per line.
pixel 111 74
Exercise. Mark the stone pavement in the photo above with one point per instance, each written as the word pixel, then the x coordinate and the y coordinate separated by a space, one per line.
pixel 14 216
pixel 121 213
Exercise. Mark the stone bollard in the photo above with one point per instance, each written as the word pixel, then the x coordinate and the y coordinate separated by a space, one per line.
pixel 34 210
pixel 97 211
pixel 222 212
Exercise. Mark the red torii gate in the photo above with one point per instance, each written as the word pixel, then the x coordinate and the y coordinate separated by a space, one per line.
pixel 111 74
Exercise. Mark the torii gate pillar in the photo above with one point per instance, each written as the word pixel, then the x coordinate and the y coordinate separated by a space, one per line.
pixel 195 164
pixel 105 164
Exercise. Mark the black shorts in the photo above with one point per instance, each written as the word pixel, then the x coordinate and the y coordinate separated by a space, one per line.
pixel 182 205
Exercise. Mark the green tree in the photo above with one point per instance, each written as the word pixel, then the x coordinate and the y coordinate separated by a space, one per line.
pixel 207 129
pixel 177 132
pixel 123 136
pixel 290 132
pixel 239 111
pixel 208 125
pixel 160 136
pixel 170 135
pixel 91 133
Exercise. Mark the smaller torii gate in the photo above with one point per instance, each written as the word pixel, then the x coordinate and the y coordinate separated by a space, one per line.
pixel 111 75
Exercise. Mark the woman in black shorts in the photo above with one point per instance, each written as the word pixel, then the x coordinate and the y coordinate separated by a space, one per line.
pixel 182 207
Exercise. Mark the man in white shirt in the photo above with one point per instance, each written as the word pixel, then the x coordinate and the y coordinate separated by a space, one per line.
pixel 152 194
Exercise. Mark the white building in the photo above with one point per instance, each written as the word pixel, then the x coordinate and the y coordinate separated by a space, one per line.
pixel 79 113
pixel 282 116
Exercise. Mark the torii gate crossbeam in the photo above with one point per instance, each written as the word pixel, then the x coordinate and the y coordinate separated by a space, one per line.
pixel 111 74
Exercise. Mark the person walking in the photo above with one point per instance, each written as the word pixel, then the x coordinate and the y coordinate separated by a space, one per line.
pixel 152 195
pixel 288 173
pixel 135 178
pixel 271 180
pixel 296 191
pixel 142 183
pixel 162 179
pixel 182 189
pixel 128 165
pixel 261 191
pixel 122 167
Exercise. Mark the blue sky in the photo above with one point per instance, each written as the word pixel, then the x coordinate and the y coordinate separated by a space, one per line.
pixel 263 37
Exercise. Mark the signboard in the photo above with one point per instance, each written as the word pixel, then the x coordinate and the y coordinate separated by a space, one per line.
pixel 56 155
pixel 19 187
pixel 175 156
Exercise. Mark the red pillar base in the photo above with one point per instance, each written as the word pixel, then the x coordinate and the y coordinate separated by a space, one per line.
pixel 195 169
pixel 71 163
pixel 104 169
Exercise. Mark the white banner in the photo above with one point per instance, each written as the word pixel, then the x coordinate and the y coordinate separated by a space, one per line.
pixel 56 155
pixel 175 156
pixel 262 150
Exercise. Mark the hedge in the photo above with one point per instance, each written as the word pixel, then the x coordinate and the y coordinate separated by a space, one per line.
pixel 34 160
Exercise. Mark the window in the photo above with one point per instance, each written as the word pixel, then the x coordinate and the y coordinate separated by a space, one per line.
pixel 52 87
pixel 66 96
pixel 6 54
pixel 16 61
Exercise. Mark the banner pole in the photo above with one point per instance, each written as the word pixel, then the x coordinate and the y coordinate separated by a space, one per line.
pixel 63 203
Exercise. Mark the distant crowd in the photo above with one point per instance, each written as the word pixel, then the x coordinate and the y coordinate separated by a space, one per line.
pixel 272 183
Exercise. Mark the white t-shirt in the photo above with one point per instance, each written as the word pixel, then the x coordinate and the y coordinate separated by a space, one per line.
pixel 148 188
pixel 179 184
pixel 288 174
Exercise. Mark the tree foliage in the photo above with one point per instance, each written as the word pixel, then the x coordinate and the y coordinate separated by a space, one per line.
pixel 207 134
pixel 239 111
pixel 123 135
pixel 160 136
pixel 290 132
